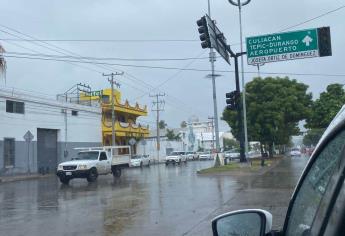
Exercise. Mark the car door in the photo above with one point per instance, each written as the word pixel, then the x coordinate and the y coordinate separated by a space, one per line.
pixel 145 159
pixel 314 198
pixel 103 163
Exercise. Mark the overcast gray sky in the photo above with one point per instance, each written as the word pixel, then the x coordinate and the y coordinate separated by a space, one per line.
pixel 188 92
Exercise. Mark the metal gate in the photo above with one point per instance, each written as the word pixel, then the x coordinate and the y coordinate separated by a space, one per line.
pixel 46 150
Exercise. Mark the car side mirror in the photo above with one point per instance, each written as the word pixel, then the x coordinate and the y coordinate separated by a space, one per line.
pixel 243 222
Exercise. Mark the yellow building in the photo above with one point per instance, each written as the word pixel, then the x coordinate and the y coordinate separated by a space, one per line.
pixel 126 115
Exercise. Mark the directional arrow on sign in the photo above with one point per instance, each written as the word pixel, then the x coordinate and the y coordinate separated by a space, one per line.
pixel 307 40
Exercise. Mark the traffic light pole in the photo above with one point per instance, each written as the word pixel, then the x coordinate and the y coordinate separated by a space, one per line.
pixel 239 113
pixel 214 93
pixel 239 108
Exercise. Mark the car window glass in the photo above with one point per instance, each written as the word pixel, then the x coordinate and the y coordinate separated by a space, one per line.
pixel 314 187
pixel 103 156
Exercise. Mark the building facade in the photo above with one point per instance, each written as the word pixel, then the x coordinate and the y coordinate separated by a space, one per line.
pixel 38 132
pixel 126 126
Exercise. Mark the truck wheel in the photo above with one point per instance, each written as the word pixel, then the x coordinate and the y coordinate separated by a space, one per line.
pixel 64 180
pixel 166 163
pixel 116 172
pixel 92 175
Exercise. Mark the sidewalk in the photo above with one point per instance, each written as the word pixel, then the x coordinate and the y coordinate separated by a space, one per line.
pixel 6 179
pixel 270 191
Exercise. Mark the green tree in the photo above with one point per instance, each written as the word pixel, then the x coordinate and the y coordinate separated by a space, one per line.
pixel 274 108
pixel 230 144
pixel 312 137
pixel 162 124
pixel 172 136
pixel 183 124
pixel 326 107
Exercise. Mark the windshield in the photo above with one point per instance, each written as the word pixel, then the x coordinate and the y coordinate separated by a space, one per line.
pixel 87 156
pixel 120 86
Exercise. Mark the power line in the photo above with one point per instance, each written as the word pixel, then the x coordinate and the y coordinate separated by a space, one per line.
pixel 302 23
pixel 178 68
pixel 88 68
pixel 314 18
pixel 104 40
pixel 133 77
pixel 176 40
pixel 104 58
pixel 159 107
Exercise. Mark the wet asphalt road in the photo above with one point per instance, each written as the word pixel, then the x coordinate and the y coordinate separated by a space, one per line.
pixel 158 200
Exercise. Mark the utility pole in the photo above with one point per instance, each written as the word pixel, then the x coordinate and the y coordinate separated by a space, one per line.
pixel 159 107
pixel 112 82
pixel 212 125
pixel 239 5
pixel 215 110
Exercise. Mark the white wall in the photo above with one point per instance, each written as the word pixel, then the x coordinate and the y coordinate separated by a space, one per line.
pixel 42 112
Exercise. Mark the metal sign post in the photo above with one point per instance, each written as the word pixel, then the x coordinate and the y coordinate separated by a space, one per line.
pixel 132 142
pixel 28 137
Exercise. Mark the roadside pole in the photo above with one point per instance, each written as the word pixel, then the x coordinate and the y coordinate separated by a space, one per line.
pixel 239 5
pixel 239 113
pixel 28 137
pixel 214 93
pixel 112 82
pixel 157 103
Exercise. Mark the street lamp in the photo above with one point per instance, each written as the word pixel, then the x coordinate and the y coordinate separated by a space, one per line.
pixel 239 5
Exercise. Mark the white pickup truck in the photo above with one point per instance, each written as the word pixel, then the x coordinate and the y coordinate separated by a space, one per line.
pixel 94 161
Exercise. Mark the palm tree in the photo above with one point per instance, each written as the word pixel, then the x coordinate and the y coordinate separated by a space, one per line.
pixel 162 124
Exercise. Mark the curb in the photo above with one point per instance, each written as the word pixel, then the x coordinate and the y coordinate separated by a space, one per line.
pixel 8 179
pixel 262 171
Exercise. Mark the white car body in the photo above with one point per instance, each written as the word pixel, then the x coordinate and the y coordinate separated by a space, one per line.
pixel 205 156
pixel 295 152
pixel 176 157
pixel 231 155
pixel 140 160
pixel 100 160
pixel 192 155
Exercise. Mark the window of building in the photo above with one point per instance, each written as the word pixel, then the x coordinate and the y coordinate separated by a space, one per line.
pixel 9 152
pixel 105 99
pixel 14 107
pixel 74 113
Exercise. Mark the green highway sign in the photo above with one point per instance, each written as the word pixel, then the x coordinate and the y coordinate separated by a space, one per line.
pixel 288 46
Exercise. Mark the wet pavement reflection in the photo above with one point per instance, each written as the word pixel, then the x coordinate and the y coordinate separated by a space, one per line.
pixel 158 200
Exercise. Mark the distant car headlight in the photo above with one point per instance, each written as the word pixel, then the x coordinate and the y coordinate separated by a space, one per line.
pixel 60 167
pixel 82 167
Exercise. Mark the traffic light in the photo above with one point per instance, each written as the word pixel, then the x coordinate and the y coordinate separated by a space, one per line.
pixel 324 39
pixel 232 100
pixel 203 31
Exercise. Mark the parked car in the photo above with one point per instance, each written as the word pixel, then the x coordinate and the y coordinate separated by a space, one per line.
pixel 176 158
pixel 192 155
pixel 205 156
pixel 254 154
pixel 94 161
pixel 140 160
pixel 295 152
pixel 317 206
pixel 232 155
